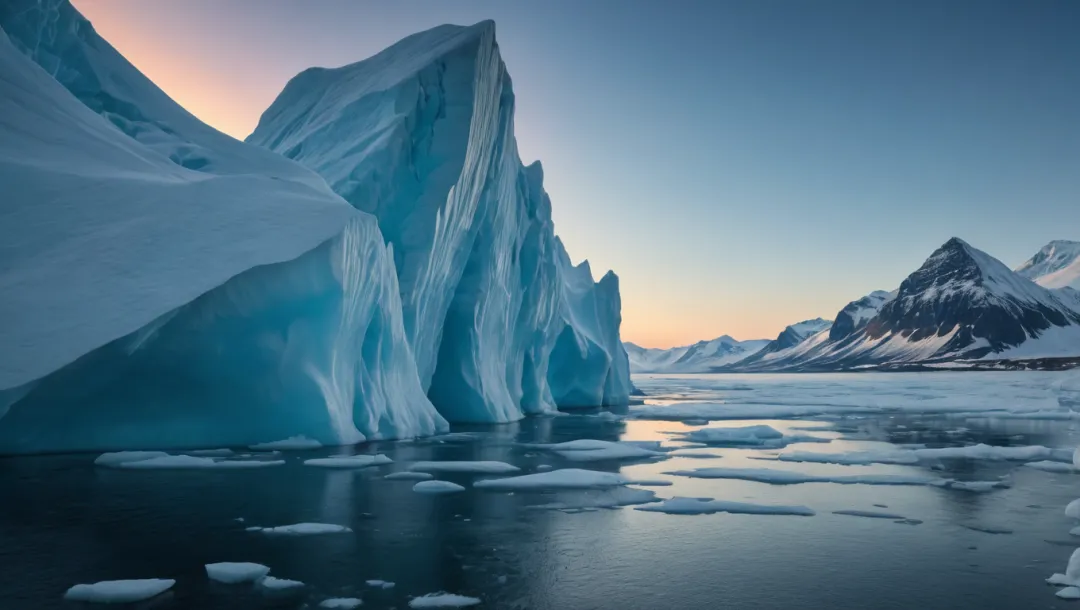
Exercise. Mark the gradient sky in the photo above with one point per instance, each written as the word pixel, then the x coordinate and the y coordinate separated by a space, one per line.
pixel 742 165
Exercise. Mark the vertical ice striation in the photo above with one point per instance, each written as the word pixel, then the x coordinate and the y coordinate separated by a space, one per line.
pixel 421 135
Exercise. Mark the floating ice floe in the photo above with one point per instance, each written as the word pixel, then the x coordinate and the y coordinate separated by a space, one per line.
pixel 687 453
pixel 120 457
pixel 279 584
pixel 1049 466
pixel 302 529
pixel 851 458
pixel 591 499
pixel 437 487
pixel 190 462
pixel 723 411
pixel 706 506
pixel 872 514
pixel 406 475
pixel 212 452
pixel 784 477
pixel 987 452
pixel 293 443
pixel 749 436
pixel 543 467
pixel 345 603
pixel 973 486
pixel 443 600
pixel 119 591
pixel 236 572
pixel 1069 593
pixel 594 450
pixel 380 584
pixel 566 478
pixel 483 467
pixel 987 529
pixel 1072 509
pixel 349 461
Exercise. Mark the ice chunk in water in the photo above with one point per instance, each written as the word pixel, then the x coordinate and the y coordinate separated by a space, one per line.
pixel 349 461
pixel 184 462
pixel 1049 466
pixel 234 572
pixel 279 584
pixel 381 584
pixel 120 457
pixel 119 591
pixel 487 467
pixel 293 443
pixel 708 506
pixel 873 514
pixel 342 602
pixel 303 529
pixel 566 478
pixel 784 477
pixel 437 487
pixel 409 476
pixel 1069 593
pixel 443 600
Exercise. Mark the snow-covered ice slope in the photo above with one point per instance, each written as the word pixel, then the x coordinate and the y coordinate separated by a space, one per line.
pixel 1056 265
pixel 151 303
pixel 701 357
pixel 421 136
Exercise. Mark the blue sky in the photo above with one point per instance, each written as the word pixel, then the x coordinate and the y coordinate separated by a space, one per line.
pixel 741 165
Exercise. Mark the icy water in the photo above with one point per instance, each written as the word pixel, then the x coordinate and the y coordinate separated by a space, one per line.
pixel 64 521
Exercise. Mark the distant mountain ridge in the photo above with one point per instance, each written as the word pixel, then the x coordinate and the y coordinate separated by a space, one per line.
pixel 701 357
pixel 961 304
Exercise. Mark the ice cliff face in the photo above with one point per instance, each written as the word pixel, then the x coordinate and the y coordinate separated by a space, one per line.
pixel 421 136
pixel 164 285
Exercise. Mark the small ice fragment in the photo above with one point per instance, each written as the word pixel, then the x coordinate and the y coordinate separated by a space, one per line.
pixel 694 454
pixel 1073 509
pixel 235 572
pixel 119 591
pixel 349 461
pixel 253 528
pixel 852 458
pixel 239 519
pixel 121 457
pixel 405 475
pixel 443 600
pixel 293 443
pixel 873 514
pixel 593 450
pixel 484 467
pixel 1076 458
pixel 305 529
pixel 342 602
pixel 566 478
pixel 785 477
pixel 543 467
pixel 190 462
pixel 1061 580
pixel 1049 466
pixel 502 580
pixel 1075 531
pixel 212 452
pixel 1069 593
pixel 437 487
pixel 279 584
pixel 987 529
pixel 650 482
pixel 707 506
pixel 380 584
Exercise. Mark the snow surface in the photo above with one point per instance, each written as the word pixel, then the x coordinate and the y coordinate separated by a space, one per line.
pixel 119 591
pixel 303 529
pixel 708 506
pixel 484 467
pixel 236 572
pixel 499 320
pixel 437 487
pixel 350 461
pixel 566 478
pixel 1056 265
pixel 443 600
pixel 185 462
pixel 346 603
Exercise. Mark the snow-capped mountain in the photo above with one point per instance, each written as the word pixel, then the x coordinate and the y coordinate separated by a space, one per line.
pixel 960 304
pixel 1056 265
pixel 789 339
pixel 701 357
pixel 165 285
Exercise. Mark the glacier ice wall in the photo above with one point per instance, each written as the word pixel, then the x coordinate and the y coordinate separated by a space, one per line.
pixel 421 136
pixel 148 303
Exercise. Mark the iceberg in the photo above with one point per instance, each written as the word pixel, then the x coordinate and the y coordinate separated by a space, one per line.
pixel 421 136
pixel 170 287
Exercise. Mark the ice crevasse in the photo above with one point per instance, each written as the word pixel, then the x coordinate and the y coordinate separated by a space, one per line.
pixel 163 285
